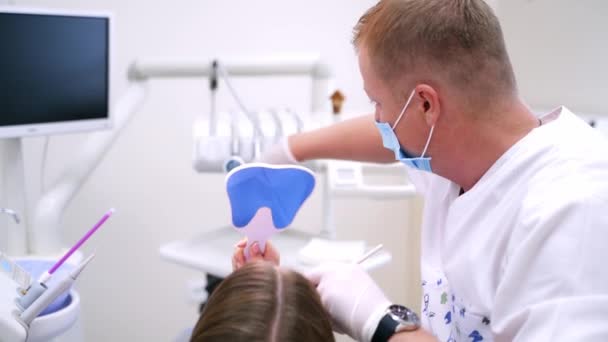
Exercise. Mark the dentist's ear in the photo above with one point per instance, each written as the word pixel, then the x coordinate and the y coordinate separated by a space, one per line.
pixel 430 103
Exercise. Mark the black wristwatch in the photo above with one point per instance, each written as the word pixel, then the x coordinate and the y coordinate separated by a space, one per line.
pixel 397 318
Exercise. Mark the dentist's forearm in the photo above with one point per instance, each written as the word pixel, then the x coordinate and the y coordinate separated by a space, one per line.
pixel 354 139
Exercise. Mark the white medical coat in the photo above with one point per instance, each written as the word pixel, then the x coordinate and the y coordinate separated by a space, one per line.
pixel 522 255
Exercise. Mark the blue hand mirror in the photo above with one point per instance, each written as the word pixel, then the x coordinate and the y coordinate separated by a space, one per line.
pixel 265 198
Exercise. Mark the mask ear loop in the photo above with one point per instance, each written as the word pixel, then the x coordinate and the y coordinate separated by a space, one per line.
pixel 427 141
pixel 407 103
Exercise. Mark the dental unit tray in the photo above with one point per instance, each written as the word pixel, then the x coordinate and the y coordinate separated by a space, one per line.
pixel 211 252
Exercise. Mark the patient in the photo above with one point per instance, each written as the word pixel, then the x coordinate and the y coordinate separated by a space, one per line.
pixel 263 302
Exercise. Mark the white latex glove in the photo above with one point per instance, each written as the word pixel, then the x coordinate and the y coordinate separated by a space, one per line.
pixel 352 298
pixel 279 153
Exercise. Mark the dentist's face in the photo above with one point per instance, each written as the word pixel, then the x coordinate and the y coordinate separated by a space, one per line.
pixel 381 96
pixel 388 100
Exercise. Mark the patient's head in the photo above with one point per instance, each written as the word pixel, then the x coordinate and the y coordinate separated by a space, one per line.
pixel 261 302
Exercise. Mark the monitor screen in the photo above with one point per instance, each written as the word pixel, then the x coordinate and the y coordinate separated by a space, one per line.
pixel 54 73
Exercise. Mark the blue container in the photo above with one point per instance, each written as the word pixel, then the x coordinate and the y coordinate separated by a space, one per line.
pixel 36 268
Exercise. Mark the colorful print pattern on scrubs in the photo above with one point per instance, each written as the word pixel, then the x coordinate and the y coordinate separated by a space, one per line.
pixel 446 315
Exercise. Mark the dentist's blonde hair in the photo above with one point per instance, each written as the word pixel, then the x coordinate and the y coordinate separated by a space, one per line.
pixel 455 41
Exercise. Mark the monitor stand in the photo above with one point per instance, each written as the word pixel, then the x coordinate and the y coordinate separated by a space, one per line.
pixel 13 235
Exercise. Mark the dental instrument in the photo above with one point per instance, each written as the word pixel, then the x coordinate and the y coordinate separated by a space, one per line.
pixel 45 276
pixel 278 124
pixel 14 271
pixel 252 116
pixel 297 118
pixel 235 158
pixel 37 289
pixel 369 254
pixel 8 266
pixel 213 83
pixel 49 296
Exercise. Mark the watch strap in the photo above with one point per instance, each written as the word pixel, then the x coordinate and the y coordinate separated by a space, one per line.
pixel 386 329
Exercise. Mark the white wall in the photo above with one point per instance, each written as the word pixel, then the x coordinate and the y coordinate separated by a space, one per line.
pixel 559 51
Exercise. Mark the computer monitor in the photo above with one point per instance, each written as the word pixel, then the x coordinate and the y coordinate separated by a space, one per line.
pixel 54 71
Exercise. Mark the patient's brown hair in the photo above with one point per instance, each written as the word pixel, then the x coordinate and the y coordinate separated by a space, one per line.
pixel 260 302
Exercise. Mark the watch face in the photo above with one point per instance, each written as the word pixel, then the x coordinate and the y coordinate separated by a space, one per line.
pixel 404 316
pixel 400 311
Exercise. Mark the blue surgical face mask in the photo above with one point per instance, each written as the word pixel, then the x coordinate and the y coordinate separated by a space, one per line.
pixel 390 141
